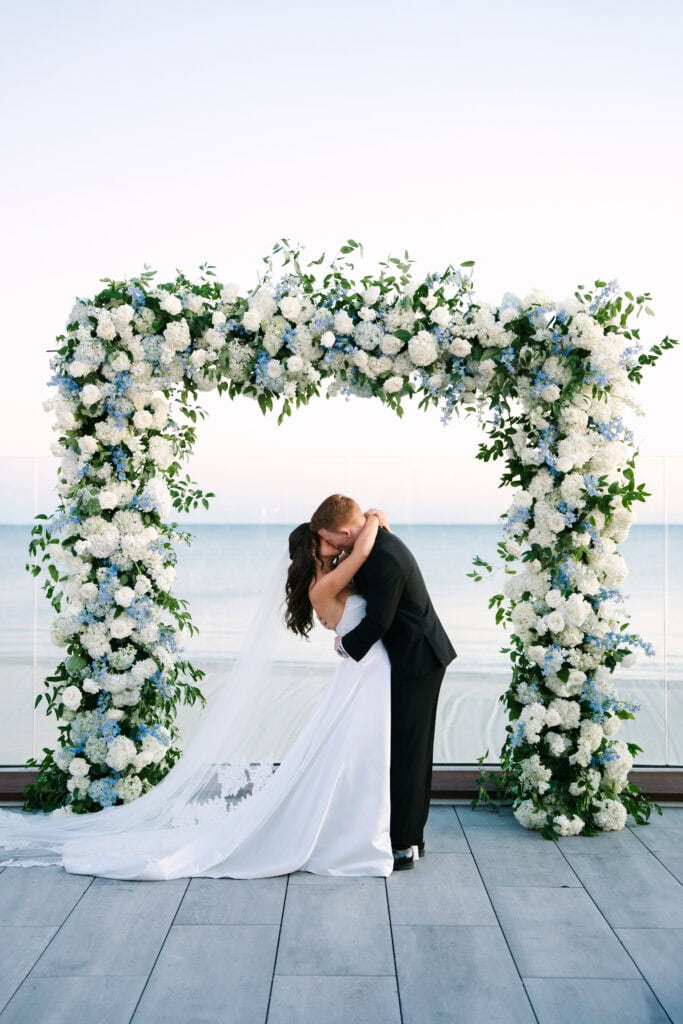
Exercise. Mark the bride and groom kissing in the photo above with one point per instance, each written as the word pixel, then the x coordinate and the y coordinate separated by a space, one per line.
pixel 350 796
pixel 364 583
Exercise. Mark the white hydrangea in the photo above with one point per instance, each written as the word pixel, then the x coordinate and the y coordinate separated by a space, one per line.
pixel 391 345
pixel 576 609
pixel 160 451
pixel 591 733
pixel 291 307
pixel 621 764
pixel 129 788
pixel 108 499
pixel 526 693
pixel 96 749
pixel 105 326
pixel 368 336
pixel 171 304
pixel 557 743
pixel 565 826
pixel 343 324
pixel 611 725
pixel 143 418
pixel 194 302
pixel 95 639
pixel 156 494
pixel 423 348
pixel 151 752
pixel 121 753
pixel 529 816
pixel 263 301
pixel 533 718
pixel 610 815
pixel 177 335
pixel 79 767
pixel 121 627
pixel 569 712
pixel 371 295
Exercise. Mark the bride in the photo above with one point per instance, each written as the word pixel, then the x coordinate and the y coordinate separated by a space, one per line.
pixel 325 809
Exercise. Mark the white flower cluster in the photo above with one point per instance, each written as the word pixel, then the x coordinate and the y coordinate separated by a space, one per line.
pixel 565 609
pixel 379 342
pixel 115 560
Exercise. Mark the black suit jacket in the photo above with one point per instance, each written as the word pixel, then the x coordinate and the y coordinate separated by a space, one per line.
pixel 399 612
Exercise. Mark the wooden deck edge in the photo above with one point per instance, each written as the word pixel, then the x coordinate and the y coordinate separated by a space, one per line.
pixel 661 784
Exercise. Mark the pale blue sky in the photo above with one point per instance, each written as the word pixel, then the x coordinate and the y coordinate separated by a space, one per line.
pixel 540 139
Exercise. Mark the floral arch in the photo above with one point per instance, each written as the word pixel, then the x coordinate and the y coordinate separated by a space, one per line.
pixel 550 383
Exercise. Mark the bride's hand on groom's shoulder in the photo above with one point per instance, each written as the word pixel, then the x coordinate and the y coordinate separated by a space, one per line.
pixel 383 521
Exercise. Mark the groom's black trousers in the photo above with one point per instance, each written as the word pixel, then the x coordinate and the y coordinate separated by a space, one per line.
pixel 413 717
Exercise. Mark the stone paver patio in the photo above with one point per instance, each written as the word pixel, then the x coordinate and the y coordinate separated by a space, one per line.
pixel 494 925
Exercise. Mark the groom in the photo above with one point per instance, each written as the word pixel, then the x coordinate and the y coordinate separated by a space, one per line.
pixel 399 612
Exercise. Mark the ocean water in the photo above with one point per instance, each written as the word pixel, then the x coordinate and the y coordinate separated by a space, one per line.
pixel 226 570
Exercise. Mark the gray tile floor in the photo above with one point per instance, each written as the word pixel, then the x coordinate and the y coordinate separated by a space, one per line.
pixel 494 925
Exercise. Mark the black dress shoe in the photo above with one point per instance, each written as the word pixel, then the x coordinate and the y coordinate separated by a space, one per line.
pixel 403 860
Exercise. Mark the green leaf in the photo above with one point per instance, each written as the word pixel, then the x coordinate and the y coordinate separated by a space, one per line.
pixel 74 663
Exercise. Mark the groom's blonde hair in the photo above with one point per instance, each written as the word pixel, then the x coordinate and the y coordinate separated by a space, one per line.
pixel 334 513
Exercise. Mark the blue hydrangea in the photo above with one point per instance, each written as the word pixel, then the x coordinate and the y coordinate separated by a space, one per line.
pixel 604 296
pixel 596 376
pixel 544 447
pixel 519 515
pixel 104 791
pixel 614 429
pixel 137 296
pixel 591 484
pixel 517 734
pixel 552 660
pixel 261 375
pixel 569 512
pixel 507 358
pixel 120 460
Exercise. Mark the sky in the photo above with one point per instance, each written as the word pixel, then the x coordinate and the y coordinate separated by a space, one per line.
pixel 540 139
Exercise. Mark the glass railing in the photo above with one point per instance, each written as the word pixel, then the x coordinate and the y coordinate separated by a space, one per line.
pixel 444 508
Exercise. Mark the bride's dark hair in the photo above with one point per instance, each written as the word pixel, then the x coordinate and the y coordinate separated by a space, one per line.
pixel 303 542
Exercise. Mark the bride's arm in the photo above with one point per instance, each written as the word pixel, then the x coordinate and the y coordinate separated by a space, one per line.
pixel 333 583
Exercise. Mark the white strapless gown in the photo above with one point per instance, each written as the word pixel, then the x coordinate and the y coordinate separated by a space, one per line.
pixel 324 810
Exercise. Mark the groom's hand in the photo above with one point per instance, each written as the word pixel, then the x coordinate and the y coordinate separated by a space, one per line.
pixel 339 648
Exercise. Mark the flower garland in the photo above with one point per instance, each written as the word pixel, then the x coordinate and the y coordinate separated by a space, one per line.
pixel 550 383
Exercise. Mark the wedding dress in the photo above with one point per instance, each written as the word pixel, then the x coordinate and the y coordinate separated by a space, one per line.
pixel 325 809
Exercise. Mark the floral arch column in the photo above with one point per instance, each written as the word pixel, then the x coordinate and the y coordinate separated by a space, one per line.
pixel 550 383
